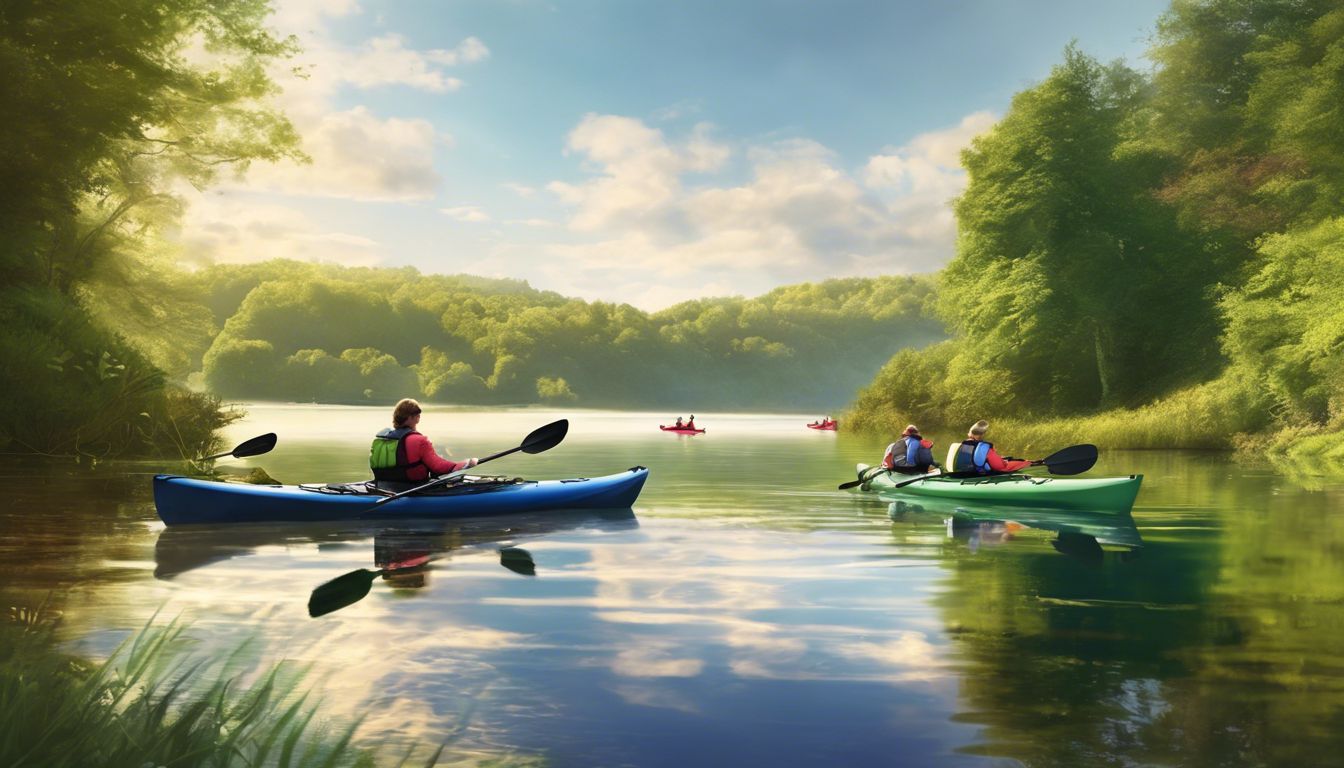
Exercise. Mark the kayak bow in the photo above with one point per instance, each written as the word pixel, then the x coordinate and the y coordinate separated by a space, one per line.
pixel 184 500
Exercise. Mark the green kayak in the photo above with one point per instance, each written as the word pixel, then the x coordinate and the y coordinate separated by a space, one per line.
pixel 1099 493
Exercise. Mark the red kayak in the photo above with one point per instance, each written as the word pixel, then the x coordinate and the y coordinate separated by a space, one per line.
pixel 681 430
pixel 826 425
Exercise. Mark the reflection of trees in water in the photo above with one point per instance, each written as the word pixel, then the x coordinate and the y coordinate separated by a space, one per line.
pixel 1209 649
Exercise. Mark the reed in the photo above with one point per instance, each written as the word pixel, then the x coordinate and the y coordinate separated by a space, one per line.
pixel 154 703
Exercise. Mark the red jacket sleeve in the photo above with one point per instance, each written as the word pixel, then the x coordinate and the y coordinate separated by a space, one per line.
pixel 998 464
pixel 418 448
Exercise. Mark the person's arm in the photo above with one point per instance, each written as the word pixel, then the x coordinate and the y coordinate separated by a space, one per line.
pixel 418 447
pixel 999 464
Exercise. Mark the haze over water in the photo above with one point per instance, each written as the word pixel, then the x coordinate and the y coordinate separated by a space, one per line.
pixel 744 612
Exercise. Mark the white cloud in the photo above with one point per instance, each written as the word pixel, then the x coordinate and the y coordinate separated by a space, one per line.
pixel 639 181
pixel 468 213
pixel 521 190
pixel 225 228
pixel 648 233
pixel 356 153
pixel 359 156
pixel 930 163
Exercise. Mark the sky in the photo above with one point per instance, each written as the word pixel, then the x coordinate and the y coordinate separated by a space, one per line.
pixel 637 151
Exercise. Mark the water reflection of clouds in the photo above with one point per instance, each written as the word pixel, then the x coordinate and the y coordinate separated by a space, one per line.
pixel 742 601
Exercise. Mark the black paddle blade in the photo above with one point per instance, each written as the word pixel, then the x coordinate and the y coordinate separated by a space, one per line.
pixel 1073 460
pixel 255 447
pixel 518 561
pixel 340 592
pixel 545 438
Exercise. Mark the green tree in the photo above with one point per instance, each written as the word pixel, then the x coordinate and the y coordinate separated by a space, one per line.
pixel 1067 271
pixel 107 105
pixel 1286 322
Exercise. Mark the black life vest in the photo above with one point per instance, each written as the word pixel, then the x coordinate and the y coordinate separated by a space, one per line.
pixel 972 456
pixel 387 456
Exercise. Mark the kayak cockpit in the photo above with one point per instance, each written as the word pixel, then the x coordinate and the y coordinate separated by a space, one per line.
pixel 373 489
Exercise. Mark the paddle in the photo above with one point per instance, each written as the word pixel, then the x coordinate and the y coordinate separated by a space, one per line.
pixel 868 474
pixel 1073 460
pixel 352 587
pixel 254 447
pixel 541 439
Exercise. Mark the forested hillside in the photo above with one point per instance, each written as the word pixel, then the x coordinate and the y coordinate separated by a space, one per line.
pixel 295 331
pixel 1152 260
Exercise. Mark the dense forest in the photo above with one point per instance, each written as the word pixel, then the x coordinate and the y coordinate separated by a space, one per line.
pixel 1152 259
pixel 293 331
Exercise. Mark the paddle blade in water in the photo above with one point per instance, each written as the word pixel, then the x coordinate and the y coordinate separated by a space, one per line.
pixel 518 560
pixel 340 592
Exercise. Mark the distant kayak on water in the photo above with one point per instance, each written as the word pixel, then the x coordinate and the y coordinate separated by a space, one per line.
pixel 824 425
pixel 680 430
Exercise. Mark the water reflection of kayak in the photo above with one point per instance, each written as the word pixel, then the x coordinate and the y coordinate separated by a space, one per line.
pixel 1107 493
pixel 680 430
pixel 182 500
pixel 1106 527
pixel 181 549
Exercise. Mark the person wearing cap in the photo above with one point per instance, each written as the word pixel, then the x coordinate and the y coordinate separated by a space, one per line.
pixel 975 455
pixel 400 455
pixel 911 454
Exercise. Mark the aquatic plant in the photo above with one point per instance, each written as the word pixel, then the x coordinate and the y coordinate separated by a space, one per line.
pixel 154 703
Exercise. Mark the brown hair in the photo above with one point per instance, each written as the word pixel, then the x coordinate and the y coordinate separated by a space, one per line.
pixel 978 429
pixel 405 409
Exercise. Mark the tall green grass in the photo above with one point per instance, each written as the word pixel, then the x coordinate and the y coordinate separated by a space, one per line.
pixel 153 703
pixel 1217 415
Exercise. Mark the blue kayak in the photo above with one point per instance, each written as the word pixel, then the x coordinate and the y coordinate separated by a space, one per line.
pixel 184 500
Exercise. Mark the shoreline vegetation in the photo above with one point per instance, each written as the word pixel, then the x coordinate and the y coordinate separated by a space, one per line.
pixel 152 702
pixel 1152 260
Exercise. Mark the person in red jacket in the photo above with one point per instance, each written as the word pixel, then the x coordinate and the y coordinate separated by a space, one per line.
pixel 975 455
pixel 403 455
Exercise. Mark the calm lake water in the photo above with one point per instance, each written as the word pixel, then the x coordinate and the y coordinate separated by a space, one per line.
pixel 745 612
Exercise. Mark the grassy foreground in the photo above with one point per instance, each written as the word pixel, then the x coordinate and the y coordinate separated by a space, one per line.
pixel 152 703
